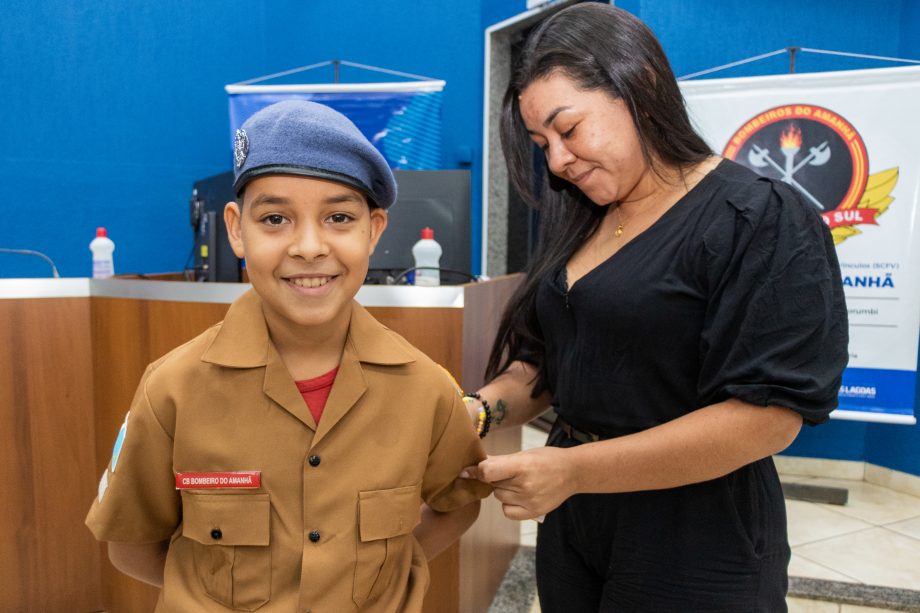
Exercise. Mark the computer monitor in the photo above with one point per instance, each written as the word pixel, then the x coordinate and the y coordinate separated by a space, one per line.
pixel 436 199
pixel 214 259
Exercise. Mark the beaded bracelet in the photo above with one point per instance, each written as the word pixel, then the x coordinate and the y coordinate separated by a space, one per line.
pixel 485 414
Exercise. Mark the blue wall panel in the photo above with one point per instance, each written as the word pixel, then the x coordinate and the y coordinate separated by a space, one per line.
pixel 834 440
pixel 110 110
pixel 910 30
pixel 119 108
pixel 893 446
pixel 698 34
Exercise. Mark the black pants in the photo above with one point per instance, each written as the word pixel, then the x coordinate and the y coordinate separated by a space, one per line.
pixel 717 546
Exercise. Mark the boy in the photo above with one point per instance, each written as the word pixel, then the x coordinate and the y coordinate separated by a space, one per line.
pixel 235 483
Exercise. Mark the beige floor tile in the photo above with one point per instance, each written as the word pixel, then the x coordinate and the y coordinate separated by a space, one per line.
pixel 893 479
pixel 809 522
pixel 532 437
pixel 794 478
pixel 908 527
pixel 817 467
pixel 876 556
pixel 803 567
pixel 802 605
pixel 873 503
pixel 536 606
pixel 852 608
pixel 529 533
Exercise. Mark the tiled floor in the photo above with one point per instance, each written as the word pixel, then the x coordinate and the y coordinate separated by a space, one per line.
pixel 874 539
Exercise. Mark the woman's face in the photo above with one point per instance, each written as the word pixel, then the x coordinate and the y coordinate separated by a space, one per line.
pixel 588 137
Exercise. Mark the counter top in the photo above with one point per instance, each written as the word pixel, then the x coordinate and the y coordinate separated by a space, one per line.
pixel 445 296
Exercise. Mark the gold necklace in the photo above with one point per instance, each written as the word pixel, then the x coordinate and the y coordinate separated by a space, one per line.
pixel 620 225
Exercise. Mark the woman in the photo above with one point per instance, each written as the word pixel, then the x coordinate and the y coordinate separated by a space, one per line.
pixel 683 316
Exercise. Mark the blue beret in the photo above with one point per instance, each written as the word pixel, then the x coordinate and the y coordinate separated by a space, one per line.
pixel 298 137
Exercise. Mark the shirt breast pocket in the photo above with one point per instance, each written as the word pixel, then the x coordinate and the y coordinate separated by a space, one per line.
pixel 231 544
pixel 385 522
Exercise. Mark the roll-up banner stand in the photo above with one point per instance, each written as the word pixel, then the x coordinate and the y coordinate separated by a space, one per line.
pixel 401 118
pixel 849 141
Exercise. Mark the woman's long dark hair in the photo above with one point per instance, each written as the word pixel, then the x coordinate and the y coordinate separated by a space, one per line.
pixel 600 48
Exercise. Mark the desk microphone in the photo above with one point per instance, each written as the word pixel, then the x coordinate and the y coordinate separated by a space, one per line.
pixel 39 254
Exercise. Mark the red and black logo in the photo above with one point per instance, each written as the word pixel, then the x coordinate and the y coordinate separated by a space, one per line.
pixel 820 154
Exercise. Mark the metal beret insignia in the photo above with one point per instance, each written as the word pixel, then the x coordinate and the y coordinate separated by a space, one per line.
pixel 240 147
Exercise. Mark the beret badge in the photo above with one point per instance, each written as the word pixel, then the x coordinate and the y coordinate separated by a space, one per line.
pixel 240 147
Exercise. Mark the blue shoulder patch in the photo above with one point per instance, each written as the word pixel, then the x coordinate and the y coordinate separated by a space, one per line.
pixel 119 441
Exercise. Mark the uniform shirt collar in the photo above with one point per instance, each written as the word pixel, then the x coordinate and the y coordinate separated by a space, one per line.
pixel 243 340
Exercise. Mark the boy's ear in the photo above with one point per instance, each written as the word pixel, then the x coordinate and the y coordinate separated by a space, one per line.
pixel 379 220
pixel 232 219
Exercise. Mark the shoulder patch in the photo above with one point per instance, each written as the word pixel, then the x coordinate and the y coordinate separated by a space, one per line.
pixel 119 442
pixel 103 484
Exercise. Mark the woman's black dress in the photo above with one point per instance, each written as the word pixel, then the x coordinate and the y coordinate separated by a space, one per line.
pixel 734 292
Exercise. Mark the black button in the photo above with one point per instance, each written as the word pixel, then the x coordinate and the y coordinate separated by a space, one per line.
pixel 314 460
pixel 314 536
pixel 216 534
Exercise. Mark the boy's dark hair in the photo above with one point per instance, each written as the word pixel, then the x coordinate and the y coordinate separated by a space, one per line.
pixel 601 48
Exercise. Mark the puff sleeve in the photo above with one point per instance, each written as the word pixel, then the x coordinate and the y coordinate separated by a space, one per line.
pixel 775 329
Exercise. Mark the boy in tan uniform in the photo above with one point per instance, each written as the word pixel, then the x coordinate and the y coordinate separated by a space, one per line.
pixel 280 460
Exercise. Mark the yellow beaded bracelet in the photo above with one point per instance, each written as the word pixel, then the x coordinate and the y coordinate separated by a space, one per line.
pixel 485 414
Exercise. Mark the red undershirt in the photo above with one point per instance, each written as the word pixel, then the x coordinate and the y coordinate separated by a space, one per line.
pixel 315 392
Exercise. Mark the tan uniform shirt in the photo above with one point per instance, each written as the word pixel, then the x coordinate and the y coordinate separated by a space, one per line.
pixel 329 530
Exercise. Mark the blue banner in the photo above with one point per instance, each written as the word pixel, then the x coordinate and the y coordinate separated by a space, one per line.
pixel 405 126
pixel 878 391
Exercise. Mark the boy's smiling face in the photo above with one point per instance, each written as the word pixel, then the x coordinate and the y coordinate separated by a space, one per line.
pixel 307 243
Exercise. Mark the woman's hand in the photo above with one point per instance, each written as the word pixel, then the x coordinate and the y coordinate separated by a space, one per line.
pixel 704 444
pixel 530 483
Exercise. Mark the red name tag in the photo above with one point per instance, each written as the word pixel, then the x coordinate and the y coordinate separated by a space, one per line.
pixel 243 479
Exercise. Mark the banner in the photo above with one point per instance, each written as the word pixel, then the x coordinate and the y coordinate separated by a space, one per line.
pixel 402 119
pixel 848 141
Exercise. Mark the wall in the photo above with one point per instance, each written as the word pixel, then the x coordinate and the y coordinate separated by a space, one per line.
pixel 113 112
pixel 910 30
pixel 698 35
pixel 110 110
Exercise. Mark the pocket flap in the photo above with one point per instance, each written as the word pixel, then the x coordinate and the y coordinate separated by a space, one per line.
pixel 226 519
pixel 388 513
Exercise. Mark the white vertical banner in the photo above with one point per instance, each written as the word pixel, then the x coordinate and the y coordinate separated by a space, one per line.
pixel 849 141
